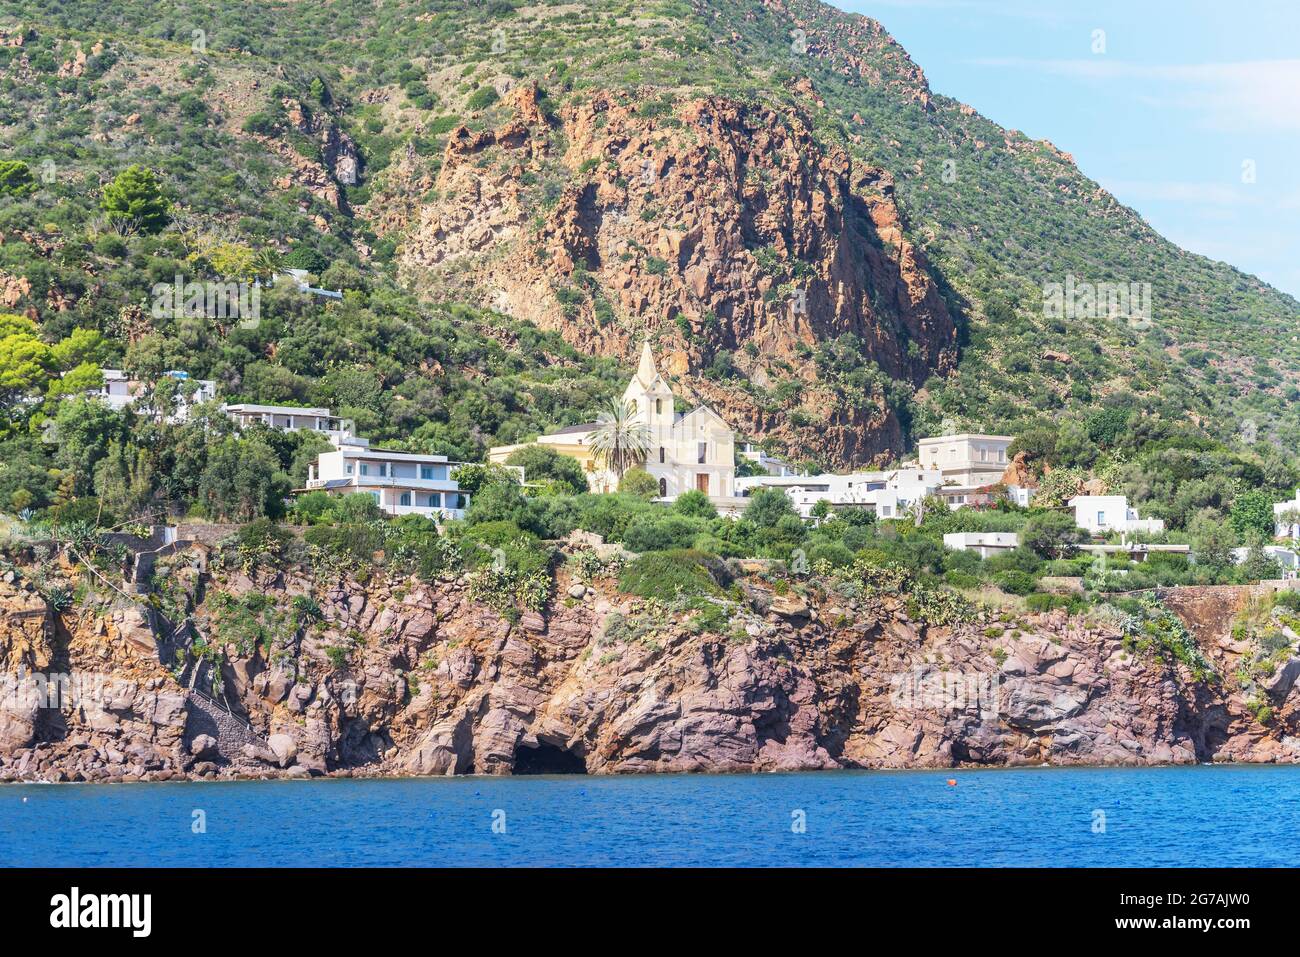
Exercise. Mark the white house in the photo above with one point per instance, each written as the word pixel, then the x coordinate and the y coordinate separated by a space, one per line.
pixel 690 451
pixel 289 418
pixel 401 482
pixel 1286 516
pixel 985 544
pixel 1287 558
pixel 890 493
pixel 1103 514
pixel 768 463
pixel 967 459
pixel 120 390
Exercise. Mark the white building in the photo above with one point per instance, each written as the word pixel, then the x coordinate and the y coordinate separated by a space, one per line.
pixel 120 390
pixel 890 494
pixel 968 459
pixel 691 451
pixel 402 483
pixel 289 418
pixel 1288 559
pixel 768 463
pixel 1286 517
pixel 985 544
pixel 1104 514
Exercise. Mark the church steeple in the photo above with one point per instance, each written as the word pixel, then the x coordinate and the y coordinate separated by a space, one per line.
pixel 646 372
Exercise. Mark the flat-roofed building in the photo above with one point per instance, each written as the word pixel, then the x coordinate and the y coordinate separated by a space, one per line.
pixel 967 459
pixel 402 483
pixel 289 418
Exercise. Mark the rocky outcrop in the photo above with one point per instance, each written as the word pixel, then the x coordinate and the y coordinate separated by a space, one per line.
pixel 411 677
pixel 718 228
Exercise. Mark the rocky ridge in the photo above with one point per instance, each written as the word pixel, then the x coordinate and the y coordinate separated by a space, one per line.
pixel 432 682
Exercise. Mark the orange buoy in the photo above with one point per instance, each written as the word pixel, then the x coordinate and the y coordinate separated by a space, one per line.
pixel 952 782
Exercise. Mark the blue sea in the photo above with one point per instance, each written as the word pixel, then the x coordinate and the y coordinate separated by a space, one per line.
pixel 1196 816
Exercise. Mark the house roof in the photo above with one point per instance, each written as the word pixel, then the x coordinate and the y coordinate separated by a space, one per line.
pixel 254 408
pixel 575 429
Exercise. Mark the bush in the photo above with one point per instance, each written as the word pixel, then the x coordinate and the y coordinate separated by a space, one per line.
pixel 662 533
pixel 666 575
pixel 831 553
pixel 543 464
pixel 695 504
pixel 639 482
pixel 767 506
pixel 1015 582
pixel 483 97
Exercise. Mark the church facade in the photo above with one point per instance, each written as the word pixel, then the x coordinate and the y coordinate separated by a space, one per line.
pixel 686 451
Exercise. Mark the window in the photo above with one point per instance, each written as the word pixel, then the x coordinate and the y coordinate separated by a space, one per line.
pixel 365 469
pixel 659 406
pixel 663 487
pixel 632 405
pixel 383 469
pixel 1101 518
pixel 375 496
pixel 426 472
pixel 348 468
pixel 884 511
pixel 405 500
pixel 661 455
pixel 435 500
pixel 703 453
pixel 984 454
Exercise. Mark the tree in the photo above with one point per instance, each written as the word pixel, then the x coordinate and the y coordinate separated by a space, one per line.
pixel 1212 539
pixel 81 346
pixel 124 480
pixel 25 360
pixel 242 481
pixel 767 506
pixel 620 440
pixel 134 202
pixel 1252 514
pixel 85 430
pixel 1052 534
pixel 695 504
pixel 16 178
pixel 304 257
pixel 1074 447
pixel 640 483
pixel 543 464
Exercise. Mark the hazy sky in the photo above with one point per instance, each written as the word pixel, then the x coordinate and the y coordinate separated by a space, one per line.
pixel 1175 107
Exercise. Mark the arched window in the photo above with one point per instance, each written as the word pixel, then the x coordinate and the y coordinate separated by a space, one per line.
pixel 631 404
pixel 659 406
pixel 663 488
pixel 405 499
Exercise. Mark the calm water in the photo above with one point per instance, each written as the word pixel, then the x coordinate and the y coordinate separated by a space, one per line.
pixel 1201 816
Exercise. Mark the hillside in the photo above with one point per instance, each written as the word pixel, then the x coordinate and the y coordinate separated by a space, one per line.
pixel 834 257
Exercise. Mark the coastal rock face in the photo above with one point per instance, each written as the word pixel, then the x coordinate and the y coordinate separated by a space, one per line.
pixel 431 682
pixel 719 227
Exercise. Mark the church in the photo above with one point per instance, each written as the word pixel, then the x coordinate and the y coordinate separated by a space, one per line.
pixel 692 450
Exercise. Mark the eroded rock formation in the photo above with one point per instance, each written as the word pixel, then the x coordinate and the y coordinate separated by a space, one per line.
pixel 407 677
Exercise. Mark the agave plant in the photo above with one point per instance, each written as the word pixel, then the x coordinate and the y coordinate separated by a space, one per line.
pixel 620 440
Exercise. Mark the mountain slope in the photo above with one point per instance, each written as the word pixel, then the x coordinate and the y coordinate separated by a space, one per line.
pixel 826 251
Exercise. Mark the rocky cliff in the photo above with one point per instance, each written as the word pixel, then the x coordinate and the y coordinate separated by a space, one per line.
pixel 718 228
pixel 310 674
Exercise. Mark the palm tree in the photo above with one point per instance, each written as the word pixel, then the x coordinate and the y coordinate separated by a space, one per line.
pixel 620 440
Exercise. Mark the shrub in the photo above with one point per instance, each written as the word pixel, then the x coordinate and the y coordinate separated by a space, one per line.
pixel 1015 582
pixel 639 482
pixel 543 464
pixel 695 504
pixel 667 575
pixel 483 97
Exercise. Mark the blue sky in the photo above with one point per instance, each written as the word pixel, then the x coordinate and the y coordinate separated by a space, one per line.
pixel 1174 107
